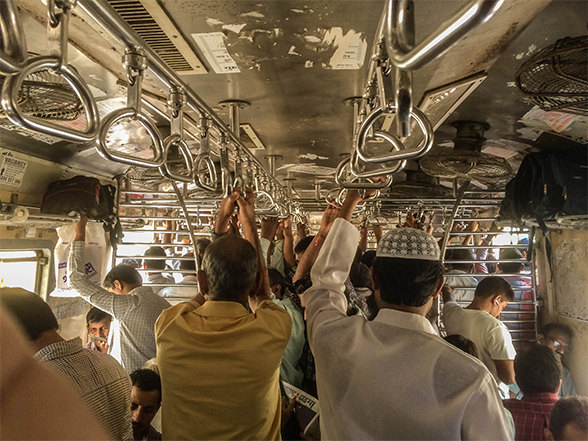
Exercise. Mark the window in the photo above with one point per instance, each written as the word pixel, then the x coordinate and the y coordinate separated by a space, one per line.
pixel 20 269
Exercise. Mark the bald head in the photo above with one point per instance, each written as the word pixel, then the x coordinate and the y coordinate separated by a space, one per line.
pixel 230 266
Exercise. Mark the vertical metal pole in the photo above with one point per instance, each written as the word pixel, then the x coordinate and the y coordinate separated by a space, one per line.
pixel 188 222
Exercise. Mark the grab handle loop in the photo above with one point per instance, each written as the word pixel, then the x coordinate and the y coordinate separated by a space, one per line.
pixel 13 83
pixel 208 181
pixel 13 48
pixel 342 174
pixel 226 183
pixel 399 153
pixel 136 63
pixel 176 100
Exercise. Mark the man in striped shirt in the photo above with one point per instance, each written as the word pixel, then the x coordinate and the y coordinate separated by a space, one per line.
pixel 136 307
pixel 99 379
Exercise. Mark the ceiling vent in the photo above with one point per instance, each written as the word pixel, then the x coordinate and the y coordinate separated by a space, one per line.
pixel 153 25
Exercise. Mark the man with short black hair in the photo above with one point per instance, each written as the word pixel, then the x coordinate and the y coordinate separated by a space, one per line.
pixel 157 265
pixel 136 307
pixel 393 377
pixel 538 373
pixel 219 363
pixel 558 338
pixel 479 322
pixel 145 402
pixel 569 420
pixel 98 378
pixel 98 325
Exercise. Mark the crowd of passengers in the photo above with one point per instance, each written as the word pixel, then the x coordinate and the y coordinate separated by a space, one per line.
pixel 355 329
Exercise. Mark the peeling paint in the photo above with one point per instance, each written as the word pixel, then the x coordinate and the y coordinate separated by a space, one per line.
pixel 236 28
pixel 511 84
pixel 254 14
pixel 212 22
pixel 292 51
pixel 298 11
pixel 308 64
pixel 520 56
pixel 532 49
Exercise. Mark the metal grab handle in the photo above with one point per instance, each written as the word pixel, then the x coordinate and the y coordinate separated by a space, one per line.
pixel 13 50
pixel 269 210
pixel 339 178
pixel 124 158
pixel 468 17
pixel 400 153
pixel 176 100
pixel 357 168
pixel 205 157
pixel 13 83
pixel 186 153
pixel 343 194
pixel 135 63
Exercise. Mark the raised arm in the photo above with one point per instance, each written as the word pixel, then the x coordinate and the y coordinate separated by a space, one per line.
pixel 289 257
pixel 115 305
pixel 363 237
pixel 311 253
pixel 247 219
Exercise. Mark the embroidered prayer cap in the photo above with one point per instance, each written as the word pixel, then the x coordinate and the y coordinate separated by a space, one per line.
pixel 408 243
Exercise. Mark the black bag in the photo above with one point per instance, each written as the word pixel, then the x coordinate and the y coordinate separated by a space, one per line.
pixel 548 184
pixel 82 194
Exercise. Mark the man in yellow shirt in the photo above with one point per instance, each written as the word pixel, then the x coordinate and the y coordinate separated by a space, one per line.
pixel 219 363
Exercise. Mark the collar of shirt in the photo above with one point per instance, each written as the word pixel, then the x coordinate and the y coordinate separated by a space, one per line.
pixel 406 320
pixel 222 309
pixel 540 397
pixel 59 349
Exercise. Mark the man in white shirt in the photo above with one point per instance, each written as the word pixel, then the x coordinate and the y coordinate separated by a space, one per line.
pixel 479 322
pixel 393 378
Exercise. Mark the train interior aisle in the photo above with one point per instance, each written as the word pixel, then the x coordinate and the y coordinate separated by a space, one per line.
pixel 467 119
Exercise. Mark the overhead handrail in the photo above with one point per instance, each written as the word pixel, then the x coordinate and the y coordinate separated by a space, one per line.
pixel 176 100
pixel 135 62
pixel 13 48
pixel 449 32
pixel 104 14
pixel 207 182
pixel 57 38
pixel 399 153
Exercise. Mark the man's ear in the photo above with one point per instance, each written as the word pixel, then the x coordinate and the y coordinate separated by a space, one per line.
pixel 540 339
pixel 202 282
pixel 547 435
pixel 117 286
pixel 497 299
pixel 439 286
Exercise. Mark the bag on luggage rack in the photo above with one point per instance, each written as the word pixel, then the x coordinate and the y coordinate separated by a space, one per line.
pixel 548 185
pixel 82 194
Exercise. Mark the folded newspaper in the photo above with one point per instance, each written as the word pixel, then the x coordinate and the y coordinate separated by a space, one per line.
pixel 307 411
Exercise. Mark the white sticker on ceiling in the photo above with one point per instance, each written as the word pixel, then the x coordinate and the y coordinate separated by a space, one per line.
pixel 212 22
pixel 213 47
pixel 351 49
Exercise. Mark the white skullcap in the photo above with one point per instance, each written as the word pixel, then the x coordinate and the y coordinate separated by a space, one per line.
pixel 408 243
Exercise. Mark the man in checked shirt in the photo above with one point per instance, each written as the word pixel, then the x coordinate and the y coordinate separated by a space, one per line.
pixel 136 307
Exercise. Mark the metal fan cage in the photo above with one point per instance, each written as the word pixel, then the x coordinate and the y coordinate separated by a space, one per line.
pixel 467 165
pixel 46 95
pixel 556 78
